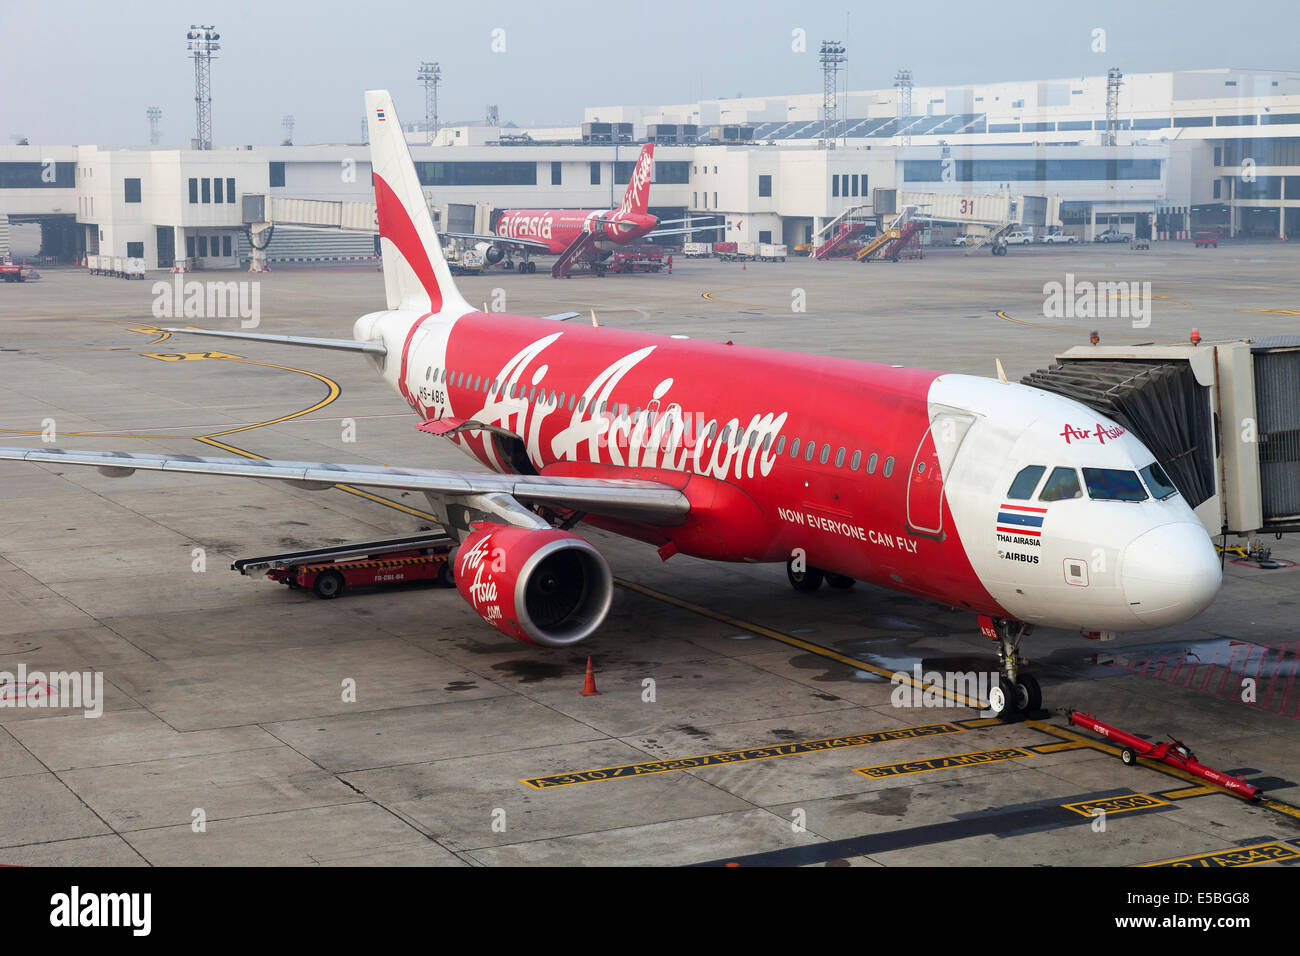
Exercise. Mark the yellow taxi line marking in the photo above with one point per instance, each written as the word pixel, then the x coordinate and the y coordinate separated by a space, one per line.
pixel 1079 329
pixel 1238 856
pixel 1112 805
pixel 1057 748
pixel 820 745
pixel 712 293
pixel 1189 792
pixel 976 759
pixel 791 641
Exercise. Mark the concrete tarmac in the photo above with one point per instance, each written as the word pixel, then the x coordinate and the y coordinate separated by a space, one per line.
pixel 227 737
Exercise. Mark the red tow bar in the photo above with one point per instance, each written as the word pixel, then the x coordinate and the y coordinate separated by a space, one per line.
pixel 1176 754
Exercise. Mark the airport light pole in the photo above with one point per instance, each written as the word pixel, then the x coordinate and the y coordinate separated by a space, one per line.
pixel 155 115
pixel 831 56
pixel 429 75
pixel 201 42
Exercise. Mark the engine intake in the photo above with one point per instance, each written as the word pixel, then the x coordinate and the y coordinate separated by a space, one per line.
pixel 540 587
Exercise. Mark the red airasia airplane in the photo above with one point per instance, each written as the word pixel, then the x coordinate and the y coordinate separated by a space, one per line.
pixel 1019 505
pixel 573 233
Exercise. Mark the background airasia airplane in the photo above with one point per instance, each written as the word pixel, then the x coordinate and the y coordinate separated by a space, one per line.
pixel 571 233
pixel 1016 504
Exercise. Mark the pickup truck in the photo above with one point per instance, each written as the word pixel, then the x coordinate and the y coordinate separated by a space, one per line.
pixel 1113 235
pixel 1020 239
pixel 1053 237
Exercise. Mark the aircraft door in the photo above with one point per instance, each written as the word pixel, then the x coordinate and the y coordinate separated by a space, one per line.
pixel 934 458
pixel 925 489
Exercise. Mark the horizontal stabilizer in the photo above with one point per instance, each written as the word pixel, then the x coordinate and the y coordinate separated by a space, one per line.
pixel 342 345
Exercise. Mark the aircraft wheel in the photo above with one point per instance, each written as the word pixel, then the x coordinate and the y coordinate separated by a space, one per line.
pixel 1029 695
pixel 1002 699
pixel 328 584
pixel 840 581
pixel 1128 756
pixel 446 576
pixel 807 580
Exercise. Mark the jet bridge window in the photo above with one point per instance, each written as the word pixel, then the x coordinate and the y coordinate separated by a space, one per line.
pixel 1022 488
pixel 1111 484
pixel 1062 483
pixel 1157 481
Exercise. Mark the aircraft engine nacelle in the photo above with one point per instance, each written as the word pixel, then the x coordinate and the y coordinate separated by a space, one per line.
pixel 492 252
pixel 540 587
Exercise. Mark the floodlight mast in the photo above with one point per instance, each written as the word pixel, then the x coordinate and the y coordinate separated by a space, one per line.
pixel 202 44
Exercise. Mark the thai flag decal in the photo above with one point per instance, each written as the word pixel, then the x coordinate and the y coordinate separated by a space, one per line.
pixel 1021 519
pixel 379 113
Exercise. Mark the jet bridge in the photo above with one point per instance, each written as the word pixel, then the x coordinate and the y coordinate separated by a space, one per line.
pixel 1223 419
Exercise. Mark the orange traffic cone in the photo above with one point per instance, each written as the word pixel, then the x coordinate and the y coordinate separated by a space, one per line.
pixel 589 686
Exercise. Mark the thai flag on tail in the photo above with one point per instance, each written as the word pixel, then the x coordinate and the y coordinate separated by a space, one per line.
pixel 1021 519
pixel 379 113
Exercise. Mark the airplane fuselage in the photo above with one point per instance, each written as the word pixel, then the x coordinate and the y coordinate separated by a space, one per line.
pixel 558 228
pixel 896 476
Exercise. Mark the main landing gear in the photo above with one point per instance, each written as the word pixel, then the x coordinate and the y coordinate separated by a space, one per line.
pixel 1017 692
pixel 809 579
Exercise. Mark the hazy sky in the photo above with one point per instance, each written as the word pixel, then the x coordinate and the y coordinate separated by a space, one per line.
pixel 75 72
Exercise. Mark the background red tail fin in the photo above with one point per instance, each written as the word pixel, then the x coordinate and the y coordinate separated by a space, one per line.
pixel 637 196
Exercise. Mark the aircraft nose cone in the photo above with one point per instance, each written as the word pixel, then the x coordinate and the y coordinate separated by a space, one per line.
pixel 1170 574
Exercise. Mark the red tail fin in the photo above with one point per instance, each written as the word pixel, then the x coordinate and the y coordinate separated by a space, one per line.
pixel 637 196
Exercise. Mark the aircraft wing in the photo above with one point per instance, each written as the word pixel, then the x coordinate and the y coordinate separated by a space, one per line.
pixel 676 232
pixel 633 499
pixel 499 240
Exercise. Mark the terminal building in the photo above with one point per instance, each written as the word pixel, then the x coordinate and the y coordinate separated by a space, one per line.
pixel 1158 154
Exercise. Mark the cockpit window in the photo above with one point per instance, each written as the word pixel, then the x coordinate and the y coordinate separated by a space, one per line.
pixel 1157 481
pixel 1111 484
pixel 1061 485
pixel 1022 489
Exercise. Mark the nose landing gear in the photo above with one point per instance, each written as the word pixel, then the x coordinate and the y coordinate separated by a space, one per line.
pixel 1017 692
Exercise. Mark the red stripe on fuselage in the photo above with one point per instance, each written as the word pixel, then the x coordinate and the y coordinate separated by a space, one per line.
pixel 845 520
pixel 406 355
pixel 396 226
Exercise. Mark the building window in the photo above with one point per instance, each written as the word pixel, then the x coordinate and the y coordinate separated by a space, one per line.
pixel 189 243
pixel 225 246
pixel 695 200
pixel 765 235
pixel 765 185
pixel 715 200
pixel 205 187
pixel 277 174
pixel 203 246
pixel 844 184
pixel 853 184
pixel 230 189
pixel 835 185
pixel 218 192
pixel 194 190
pixel 135 250
pixel 555 174
pixel 595 173
pixel 37 175
pixel 1218 156
pixel 1218 189
pixel 132 190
